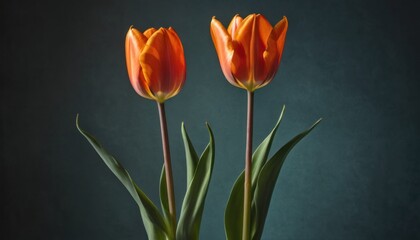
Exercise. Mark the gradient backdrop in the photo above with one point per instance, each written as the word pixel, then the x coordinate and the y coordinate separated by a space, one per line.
pixel 352 62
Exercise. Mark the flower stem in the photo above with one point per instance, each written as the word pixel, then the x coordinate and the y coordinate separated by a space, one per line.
pixel 246 231
pixel 168 165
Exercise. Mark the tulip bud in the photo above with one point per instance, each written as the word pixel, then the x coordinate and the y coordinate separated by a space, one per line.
pixel 155 62
pixel 249 50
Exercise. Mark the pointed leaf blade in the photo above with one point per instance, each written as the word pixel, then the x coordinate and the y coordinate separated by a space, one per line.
pixel 234 210
pixel 267 181
pixel 163 194
pixel 235 205
pixel 190 154
pixel 193 204
pixel 152 219
pixel 261 153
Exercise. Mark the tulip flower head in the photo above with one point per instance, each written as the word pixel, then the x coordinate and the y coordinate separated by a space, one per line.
pixel 249 50
pixel 155 62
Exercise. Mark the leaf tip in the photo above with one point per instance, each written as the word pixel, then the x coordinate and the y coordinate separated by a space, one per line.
pixel 318 121
pixel 207 125
pixel 210 131
pixel 77 121
pixel 315 124
pixel 183 129
pixel 281 114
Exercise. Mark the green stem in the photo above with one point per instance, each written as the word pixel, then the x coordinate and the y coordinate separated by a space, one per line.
pixel 246 231
pixel 168 165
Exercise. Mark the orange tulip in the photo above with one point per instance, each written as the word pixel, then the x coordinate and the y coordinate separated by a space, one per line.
pixel 249 50
pixel 155 62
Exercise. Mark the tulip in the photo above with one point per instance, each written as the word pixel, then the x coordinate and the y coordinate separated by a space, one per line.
pixel 156 68
pixel 155 62
pixel 249 50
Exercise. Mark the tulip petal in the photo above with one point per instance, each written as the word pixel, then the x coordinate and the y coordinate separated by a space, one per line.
pixel 270 57
pixel 275 45
pixel 178 65
pixel 234 24
pixel 224 49
pixel 134 43
pixel 149 32
pixel 280 31
pixel 163 65
pixel 248 59
pixel 138 37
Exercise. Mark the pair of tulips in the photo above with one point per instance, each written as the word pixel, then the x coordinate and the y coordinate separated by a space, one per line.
pixel 249 51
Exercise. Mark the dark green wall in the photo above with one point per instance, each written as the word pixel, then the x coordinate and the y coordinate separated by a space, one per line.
pixel 354 63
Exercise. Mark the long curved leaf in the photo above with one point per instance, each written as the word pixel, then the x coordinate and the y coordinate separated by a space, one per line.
pixel 193 204
pixel 234 210
pixel 235 205
pixel 261 153
pixel 267 181
pixel 190 155
pixel 153 222
pixel 164 202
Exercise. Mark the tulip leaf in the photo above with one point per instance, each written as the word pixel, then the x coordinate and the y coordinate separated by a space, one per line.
pixel 154 224
pixel 164 202
pixel 261 153
pixel 267 181
pixel 193 204
pixel 190 155
pixel 234 208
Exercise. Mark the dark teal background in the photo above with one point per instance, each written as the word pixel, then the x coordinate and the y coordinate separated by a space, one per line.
pixel 354 63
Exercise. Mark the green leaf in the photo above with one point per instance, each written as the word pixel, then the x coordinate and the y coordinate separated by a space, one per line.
pixel 266 182
pixel 234 210
pixel 235 205
pixel 154 224
pixel 261 153
pixel 193 204
pixel 190 155
pixel 164 202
